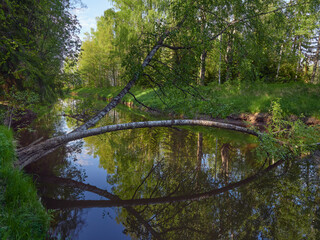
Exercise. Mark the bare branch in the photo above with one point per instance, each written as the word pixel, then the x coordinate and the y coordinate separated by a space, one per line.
pixel 175 48
pixel 145 179
pixel 150 108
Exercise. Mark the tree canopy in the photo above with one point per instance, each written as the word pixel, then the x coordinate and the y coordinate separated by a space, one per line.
pixel 36 37
pixel 270 41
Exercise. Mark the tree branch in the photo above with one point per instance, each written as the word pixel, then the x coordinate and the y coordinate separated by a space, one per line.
pixel 175 48
pixel 150 108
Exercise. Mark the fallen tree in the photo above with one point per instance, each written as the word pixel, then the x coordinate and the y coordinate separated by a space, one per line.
pixel 33 153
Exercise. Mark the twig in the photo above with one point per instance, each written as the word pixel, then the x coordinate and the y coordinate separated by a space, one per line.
pixel 150 108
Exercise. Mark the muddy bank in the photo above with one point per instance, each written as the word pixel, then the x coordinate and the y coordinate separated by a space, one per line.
pixel 259 120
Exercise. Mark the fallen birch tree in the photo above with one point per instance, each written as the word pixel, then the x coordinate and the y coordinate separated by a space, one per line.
pixel 33 153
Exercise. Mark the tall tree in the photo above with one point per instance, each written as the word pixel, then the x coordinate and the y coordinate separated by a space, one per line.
pixel 36 36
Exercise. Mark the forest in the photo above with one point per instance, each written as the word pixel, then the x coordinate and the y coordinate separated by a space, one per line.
pixel 251 67
pixel 217 42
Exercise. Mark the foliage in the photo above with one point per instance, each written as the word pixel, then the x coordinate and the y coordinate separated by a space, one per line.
pixel 287 139
pixel 271 42
pixel 22 214
pixel 18 103
pixel 162 162
pixel 36 36
pixel 223 100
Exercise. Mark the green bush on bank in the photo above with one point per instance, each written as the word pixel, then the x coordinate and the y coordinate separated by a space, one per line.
pixel 223 100
pixel 22 215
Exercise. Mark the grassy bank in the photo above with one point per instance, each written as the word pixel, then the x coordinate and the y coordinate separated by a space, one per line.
pixel 226 99
pixel 22 216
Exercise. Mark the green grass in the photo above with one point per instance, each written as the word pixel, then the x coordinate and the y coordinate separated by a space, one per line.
pixel 222 100
pixel 22 215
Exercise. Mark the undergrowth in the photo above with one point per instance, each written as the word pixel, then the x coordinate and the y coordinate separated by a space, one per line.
pixel 22 215
pixel 285 139
pixel 222 100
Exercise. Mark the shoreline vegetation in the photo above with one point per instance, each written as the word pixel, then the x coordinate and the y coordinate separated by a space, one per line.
pixel 164 56
pixel 22 215
pixel 235 103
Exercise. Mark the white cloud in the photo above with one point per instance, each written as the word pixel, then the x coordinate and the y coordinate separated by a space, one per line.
pixel 87 16
pixel 86 21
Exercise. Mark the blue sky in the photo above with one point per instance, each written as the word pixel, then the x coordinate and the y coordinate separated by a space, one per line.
pixel 87 16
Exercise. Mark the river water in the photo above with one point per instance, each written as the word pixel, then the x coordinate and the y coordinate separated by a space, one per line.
pixel 170 178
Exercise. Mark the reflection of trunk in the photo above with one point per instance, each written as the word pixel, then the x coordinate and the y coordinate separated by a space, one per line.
pixel 225 150
pixel 101 192
pixel 315 62
pixel 199 151
pixel 308 176
pixel 33 153
pixel 220 59
pixel 160 200
pixel 216 159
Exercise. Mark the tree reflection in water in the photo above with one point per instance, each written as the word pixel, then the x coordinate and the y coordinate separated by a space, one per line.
pixel 247 212
pixel 184 183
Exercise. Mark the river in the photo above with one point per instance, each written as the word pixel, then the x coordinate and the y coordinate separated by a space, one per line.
pixel 169 177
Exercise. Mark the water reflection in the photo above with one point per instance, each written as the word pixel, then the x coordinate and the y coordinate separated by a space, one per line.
pixel 154 177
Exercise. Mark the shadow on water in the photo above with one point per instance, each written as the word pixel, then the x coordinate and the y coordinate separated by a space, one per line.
pixel 170 183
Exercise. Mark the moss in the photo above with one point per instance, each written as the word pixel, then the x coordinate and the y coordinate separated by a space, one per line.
pixel 22 215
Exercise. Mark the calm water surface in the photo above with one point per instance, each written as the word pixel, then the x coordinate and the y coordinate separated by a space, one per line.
pixel 175 172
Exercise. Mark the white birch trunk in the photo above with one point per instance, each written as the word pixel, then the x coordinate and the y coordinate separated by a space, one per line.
pixel 34 153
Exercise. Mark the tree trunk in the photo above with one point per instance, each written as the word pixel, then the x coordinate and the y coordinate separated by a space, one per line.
pixel 315 62
pixel 204 52
pixel 203 67
pixel 33 153
pixel 220 40
pixel 116 100
pixel 298 62
pixel 229 56
pixel 279 64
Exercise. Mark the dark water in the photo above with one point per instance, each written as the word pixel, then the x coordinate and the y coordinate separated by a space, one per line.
pixel 170 177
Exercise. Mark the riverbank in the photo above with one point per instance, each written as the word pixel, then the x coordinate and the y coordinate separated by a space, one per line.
pixel 22 214
pixel 234 103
